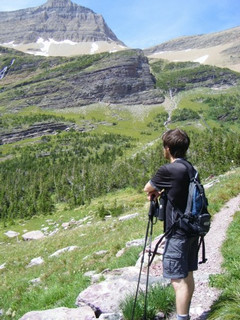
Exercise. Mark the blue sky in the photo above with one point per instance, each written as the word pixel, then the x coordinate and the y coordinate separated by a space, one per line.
pixel 145 23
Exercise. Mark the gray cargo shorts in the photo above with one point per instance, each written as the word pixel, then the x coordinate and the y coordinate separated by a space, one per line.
pixel 180 256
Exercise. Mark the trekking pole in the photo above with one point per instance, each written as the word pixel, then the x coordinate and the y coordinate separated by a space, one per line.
pixel 148 267
pixel 140 271
pixel 150 222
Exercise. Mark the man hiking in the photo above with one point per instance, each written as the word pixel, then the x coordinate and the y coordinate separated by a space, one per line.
pixel 180 257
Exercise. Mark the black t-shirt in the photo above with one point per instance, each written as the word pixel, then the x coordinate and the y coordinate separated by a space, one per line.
pixel 174 178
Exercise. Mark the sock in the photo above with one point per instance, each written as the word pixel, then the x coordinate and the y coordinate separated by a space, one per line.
pixel 183 317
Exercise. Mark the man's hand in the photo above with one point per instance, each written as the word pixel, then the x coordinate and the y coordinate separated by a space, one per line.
pixel 153 195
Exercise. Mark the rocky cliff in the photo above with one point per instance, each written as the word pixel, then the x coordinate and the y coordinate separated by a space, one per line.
pixel 121 77
pixel 59 24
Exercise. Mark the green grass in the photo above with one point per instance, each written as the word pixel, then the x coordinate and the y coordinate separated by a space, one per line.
pixel 142 124
pixel 228 304
pixel 62 277
pixel 226 188
pixel 159 299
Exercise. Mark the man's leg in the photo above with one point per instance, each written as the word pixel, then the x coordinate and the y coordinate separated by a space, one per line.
pixel 183 290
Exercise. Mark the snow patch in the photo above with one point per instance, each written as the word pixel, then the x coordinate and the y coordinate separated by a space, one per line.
pixel 46 44
pixel 9 44
pixel 201 59
pixel 159 52
pixel 94 48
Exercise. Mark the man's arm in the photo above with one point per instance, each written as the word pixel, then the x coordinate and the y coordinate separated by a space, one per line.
pixel 151 191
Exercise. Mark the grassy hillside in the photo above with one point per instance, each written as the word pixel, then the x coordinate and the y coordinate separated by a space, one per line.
pixel 98 169
pixel 61 278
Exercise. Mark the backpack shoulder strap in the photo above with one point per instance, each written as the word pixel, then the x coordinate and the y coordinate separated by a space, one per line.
pixel 192 172
pixel 193 176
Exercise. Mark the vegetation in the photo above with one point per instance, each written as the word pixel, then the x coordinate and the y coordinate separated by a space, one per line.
pixel 62 278
pixel 184 114
pixel 10 122
pixel 227 306
pixel 223 107
pixel 159 298
pixel 179 76
pixel 74 168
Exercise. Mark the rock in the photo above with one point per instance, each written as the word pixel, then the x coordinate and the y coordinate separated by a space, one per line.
pixel 36 130
pixel 60 251
pixel 159 316
pixel 35 262
pixel 106 296
pixel 3 266
pixel 158 255
pixel 89 273
pixel 182 46
pixel 81 313
pixel 53 232
pixel 118 78
pixel 101 252
pixel 11 234
pixel 62 20
pixel 35 281
pixel 110 316
pixel 45 229
pixel 65 225
pixel 128 217
pixel 9 312
pixel 33 235
pixel 135 243
pixel 160 249
pixel 120 253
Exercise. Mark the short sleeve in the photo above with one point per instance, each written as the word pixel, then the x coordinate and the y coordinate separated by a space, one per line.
pixel 161 179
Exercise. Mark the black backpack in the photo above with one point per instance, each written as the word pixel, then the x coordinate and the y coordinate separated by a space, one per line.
pixel 196 220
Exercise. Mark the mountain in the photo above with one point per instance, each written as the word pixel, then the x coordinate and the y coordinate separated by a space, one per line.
pixel 62 82
pixel 57 28
pixel 220 49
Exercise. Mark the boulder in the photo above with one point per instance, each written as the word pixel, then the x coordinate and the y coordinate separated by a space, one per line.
pixel 106 296
pixel 33 235
pixel 11 234
pixel 82 313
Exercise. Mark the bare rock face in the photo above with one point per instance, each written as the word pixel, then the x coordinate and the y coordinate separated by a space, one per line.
pixel 36 130
pixel 57 19
pixel 57 28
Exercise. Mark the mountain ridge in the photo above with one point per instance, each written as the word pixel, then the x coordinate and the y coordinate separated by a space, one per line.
pixel 218 48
